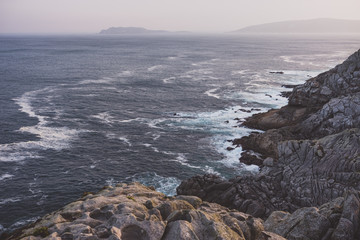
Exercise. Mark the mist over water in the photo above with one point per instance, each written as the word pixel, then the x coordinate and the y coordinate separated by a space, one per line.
pixel 81 112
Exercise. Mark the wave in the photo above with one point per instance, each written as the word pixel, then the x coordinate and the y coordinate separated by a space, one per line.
pixel 56 138
pixel 166 185
pixel 323 61
pixel 22 223
pixel 10 200
pixel 105 80
pixel 223 125
pixel 239 72
pixel 104 117
pixel 5 176
pixel 210 93
pixel 156 67
pixel 125 74
pixel 167 80
pixel 181 158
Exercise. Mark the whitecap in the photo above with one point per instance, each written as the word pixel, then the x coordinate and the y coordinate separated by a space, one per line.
pixel 239 72
pixel 56 138
pixel 156 67
pixel 24 222
pixel 10 200
pixel 124 139
pixel 105 80
pixel 156 136
pixel 211 93
pixel 166 185
pixel 167 80
pixel 110 182
pixel 104 117
pixel 5 176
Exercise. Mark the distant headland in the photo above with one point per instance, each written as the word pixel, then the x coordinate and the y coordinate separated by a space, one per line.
pixel 321 25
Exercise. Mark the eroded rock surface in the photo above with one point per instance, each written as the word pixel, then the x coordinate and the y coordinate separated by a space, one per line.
pixel 307 173
pixel 133 211
pixel 335 220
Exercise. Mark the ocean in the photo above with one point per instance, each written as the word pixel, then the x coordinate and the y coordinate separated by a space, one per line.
pixel 79 112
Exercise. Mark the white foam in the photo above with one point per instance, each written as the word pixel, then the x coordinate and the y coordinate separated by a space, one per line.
pixel 5 176
pixel 239 72
pixel 130 120
pixel 168 80
pixel 10 200
pixel 110 182
pixel 166 185
pixel 104 117
pixel 156 67
pixel 181 158
pixel 156 136
pixel 21 223
pixel 224 125
pixel 119 137
pixel 322 61
pixel 211 93
pixel 105 80
pixel 56 138
pixel 124 139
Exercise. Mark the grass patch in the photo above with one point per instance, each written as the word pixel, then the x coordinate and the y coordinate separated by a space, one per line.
pixel 41 231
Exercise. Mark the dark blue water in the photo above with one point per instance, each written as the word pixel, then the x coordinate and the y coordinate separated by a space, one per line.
pixel 81 112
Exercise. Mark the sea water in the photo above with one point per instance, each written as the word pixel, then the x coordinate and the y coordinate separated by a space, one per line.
pixel 81 112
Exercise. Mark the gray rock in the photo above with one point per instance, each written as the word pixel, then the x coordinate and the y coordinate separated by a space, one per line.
pixel 133 211
pixel 339 81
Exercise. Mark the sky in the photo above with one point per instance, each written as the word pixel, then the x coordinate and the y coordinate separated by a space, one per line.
pixel 91 16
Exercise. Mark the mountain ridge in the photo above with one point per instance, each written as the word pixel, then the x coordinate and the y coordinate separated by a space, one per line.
pixel 319 25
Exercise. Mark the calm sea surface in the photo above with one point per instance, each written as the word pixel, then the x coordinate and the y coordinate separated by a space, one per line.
pixel 81 112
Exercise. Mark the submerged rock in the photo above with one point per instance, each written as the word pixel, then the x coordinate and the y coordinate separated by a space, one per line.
pixel 133 211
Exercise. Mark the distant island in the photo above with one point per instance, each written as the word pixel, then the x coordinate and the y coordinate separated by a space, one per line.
pixel 135 30
pixel 322 25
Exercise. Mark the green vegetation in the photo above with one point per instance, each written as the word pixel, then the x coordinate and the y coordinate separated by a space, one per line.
pixel 41 231
pixel 131 197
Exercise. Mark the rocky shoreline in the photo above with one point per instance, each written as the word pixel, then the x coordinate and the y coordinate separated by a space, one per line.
pixel 310 155
pixel 308 186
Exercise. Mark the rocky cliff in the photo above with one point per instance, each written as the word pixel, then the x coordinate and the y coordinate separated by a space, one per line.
pixel 310 156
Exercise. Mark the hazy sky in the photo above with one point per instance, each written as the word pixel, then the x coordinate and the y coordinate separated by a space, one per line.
pixel 90 16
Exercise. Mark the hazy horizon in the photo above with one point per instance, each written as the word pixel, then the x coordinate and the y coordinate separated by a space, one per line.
pixel 91 16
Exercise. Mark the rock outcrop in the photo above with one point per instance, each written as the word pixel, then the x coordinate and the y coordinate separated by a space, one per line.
pixel 342 80
pixel 335 220
pixel 311 155
pixel 135 212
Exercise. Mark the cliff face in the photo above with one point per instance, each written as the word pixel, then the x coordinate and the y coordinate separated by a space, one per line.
pixel 135 212
pixel 311 155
